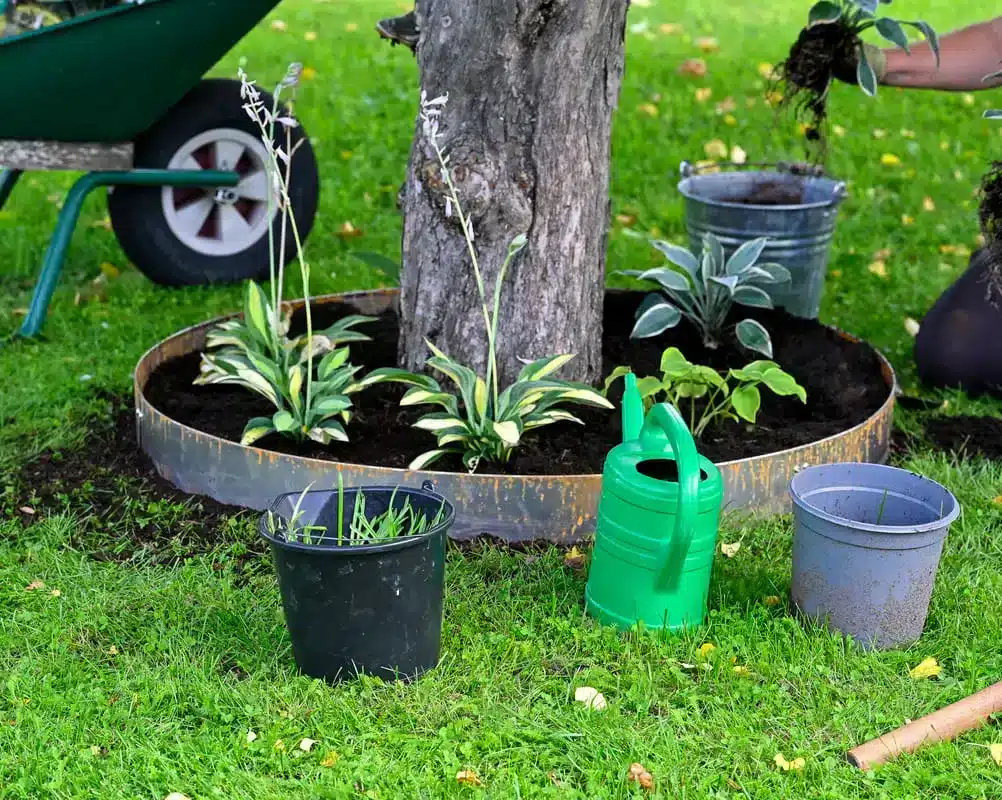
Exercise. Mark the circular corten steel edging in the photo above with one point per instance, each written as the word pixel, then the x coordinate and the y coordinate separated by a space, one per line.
pixel 514 508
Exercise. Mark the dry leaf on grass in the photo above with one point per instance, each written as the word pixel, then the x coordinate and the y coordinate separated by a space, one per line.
pixel 715 149
pixel 574 559
pixel 706 648
pixel 738 155
pixel 928 668
pixel 703 93
pixel 113 651
pixel 907 220
pixel 772 600
pixel 110 271
pixel 726 105
pixel 649 109
pixel 330 759
pixel 56 593
pixel 34 585
pixel 912 326
pixel 279 745
pixel 693 68
pixel 349 231
pixel 306 744
pixel 626 219
pixel 279 25
pixel 468 778
pixel 998 500
pixel 708 44
pixel 27 510
pixel 890 160
pixel 730 550
pixel 590 698
pixel 789 766
pixel 251 736
pixel 878 268
pixel 640 776
pixel 928 204
pixel 670 28
pixel 996 753
pixel 177 796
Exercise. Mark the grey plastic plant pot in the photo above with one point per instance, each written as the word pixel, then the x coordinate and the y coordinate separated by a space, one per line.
pixel 374 609
pixel 866 547
pixel 800 235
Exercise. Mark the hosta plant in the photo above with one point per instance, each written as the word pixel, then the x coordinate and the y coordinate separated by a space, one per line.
pixel 307 378
pixel 477 420
pixel 705 396
pixel 704 290
pixel 830 46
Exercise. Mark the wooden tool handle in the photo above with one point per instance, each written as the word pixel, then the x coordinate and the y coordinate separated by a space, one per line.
pixel 942 725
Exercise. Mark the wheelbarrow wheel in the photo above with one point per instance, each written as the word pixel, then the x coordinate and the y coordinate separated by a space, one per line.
pixel 184 237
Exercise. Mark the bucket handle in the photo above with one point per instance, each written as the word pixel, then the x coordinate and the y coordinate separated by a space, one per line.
pixel 664 429
pixel 687 169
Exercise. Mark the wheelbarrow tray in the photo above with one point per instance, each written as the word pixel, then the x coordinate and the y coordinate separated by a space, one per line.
pixel 107 76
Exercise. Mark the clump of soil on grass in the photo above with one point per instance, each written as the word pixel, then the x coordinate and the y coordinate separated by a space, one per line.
pixel 126 511
pixel 805 76
pixel 990 216
pixel 969 435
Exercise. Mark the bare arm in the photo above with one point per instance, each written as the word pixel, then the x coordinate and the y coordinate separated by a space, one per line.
pixel 966 56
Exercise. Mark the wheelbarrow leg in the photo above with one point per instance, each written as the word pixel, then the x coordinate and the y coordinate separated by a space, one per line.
pixel 8 178
pixel 52 266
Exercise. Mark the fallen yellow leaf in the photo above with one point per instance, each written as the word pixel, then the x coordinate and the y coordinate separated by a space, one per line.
pixel 279 25
pixel 928 204
pixel 715 149
pixel 468 777
pixel 879 133
pixel 912 326
pixel 349 231
pixel 998 500
pixel 771 600
pixel 996 752
pixel 574 558
pixel 796 765
pixel 730 549
pixel 968 99
pixel 765 70
pixel 693 68
pixel 907 220
pixel 306 744
pixel 670 28
pixel 890 160
pixel 649 109
pixel 742 671
pixel 34 585
pixel 279 745
pixel 330 759
pixel 928 668
pixel 113 651
pixel 308 74
pixel 730 119
pixel 703 93
pixel 738 155
pixel 110 270
pixel 706 648
pixel 907 133
pixel 590 698
pixel 726 106
pixel 310 36
pixel 708 44
pixel 838 130
pixel 640 776
pixel 626 219
pixel 878 268
pixel 351 27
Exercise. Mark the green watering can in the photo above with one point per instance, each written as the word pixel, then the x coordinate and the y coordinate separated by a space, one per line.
pixel 657 524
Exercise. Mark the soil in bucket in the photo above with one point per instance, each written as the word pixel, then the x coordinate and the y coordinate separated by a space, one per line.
pixel 770 193
pixel 372 607
pixel 843 380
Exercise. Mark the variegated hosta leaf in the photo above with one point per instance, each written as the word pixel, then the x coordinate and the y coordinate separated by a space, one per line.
pixel 439 422
pixel 328 431
pixel 425 460
pixel 395 375
pixel 332 362
pixel 746 256
pixel 257 312
pixel 508 432
pixel 418 396
pixel 257 428
pixel 542 367
pixel 548 418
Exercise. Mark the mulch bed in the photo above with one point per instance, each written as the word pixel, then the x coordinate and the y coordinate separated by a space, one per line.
pixel 843 380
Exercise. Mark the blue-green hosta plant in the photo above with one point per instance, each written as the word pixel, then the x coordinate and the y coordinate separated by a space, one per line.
pixel 704 396
pixel 476 418
pixel 704 290
pixel 307 378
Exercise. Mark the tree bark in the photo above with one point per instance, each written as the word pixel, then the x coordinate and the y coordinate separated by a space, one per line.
pixel 532 87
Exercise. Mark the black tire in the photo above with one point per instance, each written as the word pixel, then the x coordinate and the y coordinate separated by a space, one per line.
pixel 138 215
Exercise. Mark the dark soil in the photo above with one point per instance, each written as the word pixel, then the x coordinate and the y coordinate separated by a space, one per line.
pixel 770 193
pixel 969 435
pixel 990 207
pixel 126 511
pixel 820 52
pixel 843 381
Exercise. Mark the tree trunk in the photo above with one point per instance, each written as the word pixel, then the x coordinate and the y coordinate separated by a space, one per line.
pixel 532 86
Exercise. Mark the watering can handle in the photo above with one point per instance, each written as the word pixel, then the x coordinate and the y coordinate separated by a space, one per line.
pixel 663 427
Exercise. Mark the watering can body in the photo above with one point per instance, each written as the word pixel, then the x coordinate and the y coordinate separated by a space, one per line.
pixel 657 525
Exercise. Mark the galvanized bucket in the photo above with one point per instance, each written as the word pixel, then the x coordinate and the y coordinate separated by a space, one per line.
pixel 800 232
pixel 866 547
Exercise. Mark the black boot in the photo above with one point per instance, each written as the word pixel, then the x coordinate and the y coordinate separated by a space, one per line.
pixel 400 30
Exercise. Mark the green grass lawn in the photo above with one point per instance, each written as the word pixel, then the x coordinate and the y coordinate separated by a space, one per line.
pixel 141 679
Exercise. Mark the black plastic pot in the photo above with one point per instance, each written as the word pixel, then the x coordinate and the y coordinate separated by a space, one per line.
pixel 373 609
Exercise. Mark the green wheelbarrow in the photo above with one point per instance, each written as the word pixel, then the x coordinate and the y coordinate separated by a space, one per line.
pixel 115 90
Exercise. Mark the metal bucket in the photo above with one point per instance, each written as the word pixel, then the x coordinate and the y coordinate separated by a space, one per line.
pixel 800 233
pixel 866 547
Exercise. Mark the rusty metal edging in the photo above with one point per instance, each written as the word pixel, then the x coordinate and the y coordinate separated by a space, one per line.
pixel 514 508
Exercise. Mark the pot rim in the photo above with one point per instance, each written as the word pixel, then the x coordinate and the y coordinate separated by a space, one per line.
pixel 942 523
pixel 684 184
pixel 400 543
pixel 887 369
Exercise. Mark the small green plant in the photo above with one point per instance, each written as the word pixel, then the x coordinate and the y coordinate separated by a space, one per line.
pixel 482 422
pixel 703 290
pixel 307 378
pixel 705 396
pixel 398 521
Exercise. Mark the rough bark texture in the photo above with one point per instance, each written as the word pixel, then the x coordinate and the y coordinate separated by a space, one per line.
pixel 532 86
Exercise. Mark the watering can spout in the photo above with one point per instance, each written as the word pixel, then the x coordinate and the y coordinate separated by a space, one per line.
pixel 633 409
